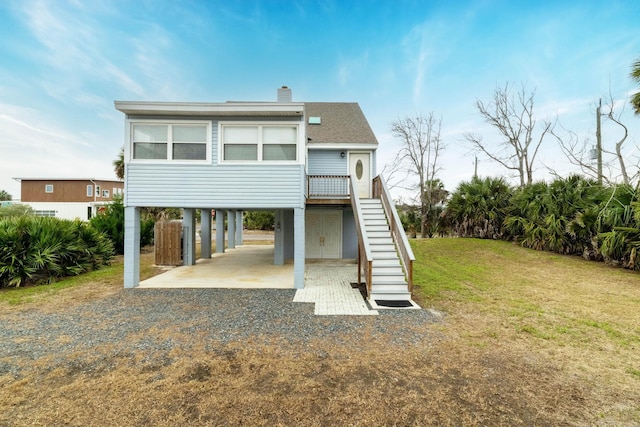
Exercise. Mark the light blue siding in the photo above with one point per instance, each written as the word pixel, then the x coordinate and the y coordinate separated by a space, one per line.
pixel 248 186
pixel 349 236
pixel 217 186
pixel 327 162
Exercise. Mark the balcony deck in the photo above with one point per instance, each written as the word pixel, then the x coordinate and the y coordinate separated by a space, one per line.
pixel 328 190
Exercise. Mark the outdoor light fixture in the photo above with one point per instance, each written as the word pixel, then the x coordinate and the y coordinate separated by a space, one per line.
pixel 342 154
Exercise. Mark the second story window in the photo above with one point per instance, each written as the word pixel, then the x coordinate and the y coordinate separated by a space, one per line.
pixel 48 188
pixel 105 193
pixel 188 141
pixel 259 143
pixel 89 190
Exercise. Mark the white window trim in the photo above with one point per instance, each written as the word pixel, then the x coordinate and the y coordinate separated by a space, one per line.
pixel 105 193
pixel 46 188
pixel 129 141
pixel 300 146
pixel 90 190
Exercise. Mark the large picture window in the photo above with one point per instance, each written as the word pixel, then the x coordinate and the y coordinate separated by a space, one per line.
pixel 259 143
pixel 170 141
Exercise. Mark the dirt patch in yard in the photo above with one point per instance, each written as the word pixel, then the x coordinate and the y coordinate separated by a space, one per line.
pixel 282 384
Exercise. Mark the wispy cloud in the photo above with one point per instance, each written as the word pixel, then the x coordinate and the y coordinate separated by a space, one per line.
pixel 352 68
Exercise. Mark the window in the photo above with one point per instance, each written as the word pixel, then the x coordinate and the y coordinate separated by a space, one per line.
pixel 105 193
pixel 48 188
pixel 97 191
pixel 259 143
pixel 44 213
pixel 89 190
pixel 188 141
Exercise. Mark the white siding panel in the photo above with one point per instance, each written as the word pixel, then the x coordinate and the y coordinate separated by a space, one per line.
pixel 216 186
pixel 327 162
pixel 64 210
pixel 374 159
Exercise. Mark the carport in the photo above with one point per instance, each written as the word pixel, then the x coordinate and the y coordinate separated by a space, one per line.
pixel 247 266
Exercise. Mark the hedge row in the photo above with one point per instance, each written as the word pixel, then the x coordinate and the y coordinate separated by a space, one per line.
pixel 37 250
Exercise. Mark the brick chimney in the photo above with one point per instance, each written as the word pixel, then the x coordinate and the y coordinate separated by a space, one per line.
pixel 284 94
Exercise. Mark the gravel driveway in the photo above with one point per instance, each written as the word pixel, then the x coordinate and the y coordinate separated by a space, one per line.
pixel 155 321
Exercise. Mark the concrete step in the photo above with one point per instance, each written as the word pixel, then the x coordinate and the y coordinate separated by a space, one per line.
pixel 384 255
pixel 382 240
pixel 383 248
pixel 369 228
pixel 394 271
pixel 378 234
pixel 369 222
pixel 392 280
pixel 394 296
pixel 372 216
pixel 391 262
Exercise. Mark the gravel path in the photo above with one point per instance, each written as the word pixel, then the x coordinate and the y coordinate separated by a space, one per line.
pixel 147 321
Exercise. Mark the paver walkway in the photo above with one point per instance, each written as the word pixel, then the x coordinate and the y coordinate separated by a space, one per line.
pixel 328 285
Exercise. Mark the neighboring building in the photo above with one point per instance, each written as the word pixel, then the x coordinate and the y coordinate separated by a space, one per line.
pixel 297 159
pixel 68 198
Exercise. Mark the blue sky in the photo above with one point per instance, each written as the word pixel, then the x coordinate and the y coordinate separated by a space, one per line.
pixel 63 63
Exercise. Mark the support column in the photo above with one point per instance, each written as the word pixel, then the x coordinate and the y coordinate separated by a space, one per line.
pixel 298 254
pixel 219 231
pixel 231 232
pixel 131 246
pixel 278 238
pixel 188 237
pixel 205 233
pixel 239 227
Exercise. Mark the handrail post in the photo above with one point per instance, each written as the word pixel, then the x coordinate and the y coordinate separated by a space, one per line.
pixel 359 265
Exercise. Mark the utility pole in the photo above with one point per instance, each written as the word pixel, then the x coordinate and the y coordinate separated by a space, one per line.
pixel 599 142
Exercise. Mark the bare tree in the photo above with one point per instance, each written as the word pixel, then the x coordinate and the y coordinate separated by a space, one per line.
pixel 418 157
pixel 614 166
pixel 511 114
pixel 616 118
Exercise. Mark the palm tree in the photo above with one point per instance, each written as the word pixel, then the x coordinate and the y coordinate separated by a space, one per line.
pixel 434 196
pixel 478 207
pixel 118 164
pixel 635 75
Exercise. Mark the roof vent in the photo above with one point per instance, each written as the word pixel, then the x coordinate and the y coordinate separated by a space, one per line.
pixel 315 120
pixel 284 94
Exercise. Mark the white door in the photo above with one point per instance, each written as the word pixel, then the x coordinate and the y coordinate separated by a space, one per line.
pixel 323 234
pixel 360 171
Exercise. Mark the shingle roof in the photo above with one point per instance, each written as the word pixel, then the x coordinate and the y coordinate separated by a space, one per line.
pixel 341 122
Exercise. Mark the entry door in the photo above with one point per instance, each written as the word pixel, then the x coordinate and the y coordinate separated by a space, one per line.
pixel 360 171
pixel 323 234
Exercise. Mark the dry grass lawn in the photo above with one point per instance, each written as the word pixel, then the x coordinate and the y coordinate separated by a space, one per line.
pixel 526 338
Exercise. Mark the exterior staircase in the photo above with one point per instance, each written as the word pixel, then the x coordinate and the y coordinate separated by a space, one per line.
pixel 387 275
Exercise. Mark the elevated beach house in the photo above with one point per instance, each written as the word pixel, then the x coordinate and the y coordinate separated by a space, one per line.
pixel 311 163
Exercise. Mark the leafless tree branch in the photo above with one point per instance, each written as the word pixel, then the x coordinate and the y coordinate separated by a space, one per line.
pixel 512 116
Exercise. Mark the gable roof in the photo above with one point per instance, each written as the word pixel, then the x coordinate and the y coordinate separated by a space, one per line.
pixel 341 123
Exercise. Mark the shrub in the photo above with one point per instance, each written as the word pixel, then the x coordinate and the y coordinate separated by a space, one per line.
pixel 477 208
pixel 111 223
pixel 259 220
pixel 15 209
pixel 36 249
